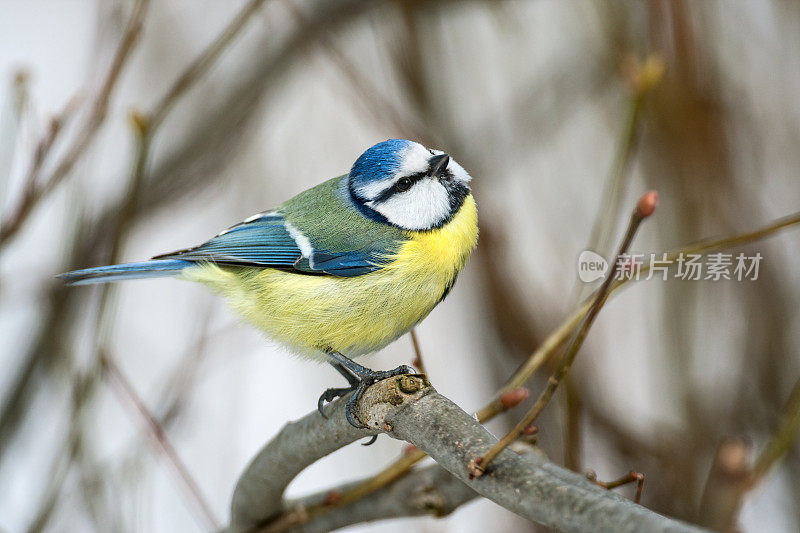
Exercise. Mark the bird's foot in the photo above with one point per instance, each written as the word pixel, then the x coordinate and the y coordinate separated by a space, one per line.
pixel 366 377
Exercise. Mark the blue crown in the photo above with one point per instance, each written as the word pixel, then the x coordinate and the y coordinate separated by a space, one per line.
pixel 378 162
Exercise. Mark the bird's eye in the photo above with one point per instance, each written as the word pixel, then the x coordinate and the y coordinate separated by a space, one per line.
pixel 403 184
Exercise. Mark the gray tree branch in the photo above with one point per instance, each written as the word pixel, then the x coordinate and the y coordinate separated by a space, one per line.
pixel 258 495
pixel 409 409
pixel 426 491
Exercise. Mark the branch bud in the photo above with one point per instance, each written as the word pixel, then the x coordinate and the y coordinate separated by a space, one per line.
pixel 647 204
pixel 514 397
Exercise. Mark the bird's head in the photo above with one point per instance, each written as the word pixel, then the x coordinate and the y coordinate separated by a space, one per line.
pixel 407 185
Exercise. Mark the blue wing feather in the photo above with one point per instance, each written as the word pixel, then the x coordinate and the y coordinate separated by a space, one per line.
pixel 264 241
pixel 260 241
pixel 147 269
pixel 353 263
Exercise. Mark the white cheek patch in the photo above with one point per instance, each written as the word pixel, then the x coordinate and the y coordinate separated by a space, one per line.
pixel 425 205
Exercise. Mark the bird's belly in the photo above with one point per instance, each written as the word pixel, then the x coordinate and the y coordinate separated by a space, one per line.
pixel 354 315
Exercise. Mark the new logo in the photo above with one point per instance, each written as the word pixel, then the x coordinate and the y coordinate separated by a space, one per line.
pixel 591 266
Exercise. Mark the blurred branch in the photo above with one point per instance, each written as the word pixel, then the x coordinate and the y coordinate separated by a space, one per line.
pixel 183 378
pixel 37 188
pixel 641 78
pixel 214 139
pixel 200 66
pixel 180 382
pixel 366 95
pixel 155 434
pixel 411 63
pixel 782 441
pixel 83 388
pixel 407 408
pixel 44 351
pixel 147 125
pixel 644 209
pixel 120 216
pixel 14 111
pixel 725 486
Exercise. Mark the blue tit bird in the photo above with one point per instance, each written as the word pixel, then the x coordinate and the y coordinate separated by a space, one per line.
pixel 342 269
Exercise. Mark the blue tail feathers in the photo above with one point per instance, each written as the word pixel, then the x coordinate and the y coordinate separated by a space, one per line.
pixel 157 268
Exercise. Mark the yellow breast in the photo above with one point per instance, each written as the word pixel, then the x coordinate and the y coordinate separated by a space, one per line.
pixel 354 315
pixel 439 255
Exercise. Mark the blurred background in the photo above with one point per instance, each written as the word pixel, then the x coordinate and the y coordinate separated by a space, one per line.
pixel 130 128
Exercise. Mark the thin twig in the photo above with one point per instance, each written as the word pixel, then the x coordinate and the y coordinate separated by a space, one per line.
pixel 561 334
pixel 36 188
pixel 83 388
pixel 200 66
pixel 644 209
pixel 13 116
pixel 726 485
pixel 161 444
pixel 630 477
pixel 572 431
pixel 641 78
pixel 782 441
pixel 417 363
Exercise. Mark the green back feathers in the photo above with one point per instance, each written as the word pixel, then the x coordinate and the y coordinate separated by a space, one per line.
pixel 325 216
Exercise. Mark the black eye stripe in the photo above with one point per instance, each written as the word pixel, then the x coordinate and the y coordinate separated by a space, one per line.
pixel 392 190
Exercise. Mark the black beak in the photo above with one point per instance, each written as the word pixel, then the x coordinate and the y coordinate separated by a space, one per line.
pixel 438 164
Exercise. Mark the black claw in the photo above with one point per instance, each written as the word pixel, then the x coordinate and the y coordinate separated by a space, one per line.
pixel 329 395
pixel 350 407
pixel 360 378
pixel 371 441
